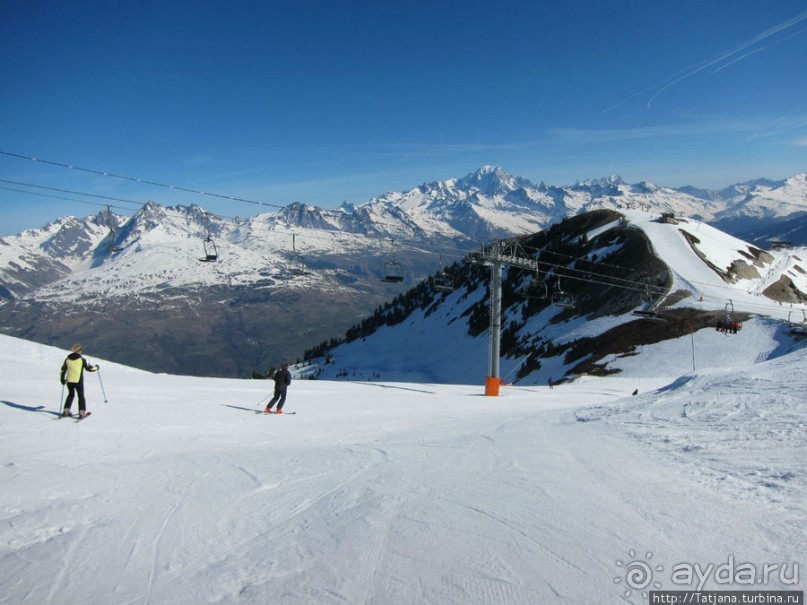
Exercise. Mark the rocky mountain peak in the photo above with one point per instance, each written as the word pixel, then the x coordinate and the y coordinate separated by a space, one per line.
pixel 606 185
pixel 492 180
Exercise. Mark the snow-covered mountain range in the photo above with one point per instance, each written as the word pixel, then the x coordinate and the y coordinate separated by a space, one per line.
pixel 305 273
pixel 160 245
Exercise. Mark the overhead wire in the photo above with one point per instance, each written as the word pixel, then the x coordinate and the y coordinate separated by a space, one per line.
pixel 138 180
pixel 575 258
pixel 73 192
pixel 57 197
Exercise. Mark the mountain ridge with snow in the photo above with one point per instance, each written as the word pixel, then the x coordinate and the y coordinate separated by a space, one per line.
pixel 701 278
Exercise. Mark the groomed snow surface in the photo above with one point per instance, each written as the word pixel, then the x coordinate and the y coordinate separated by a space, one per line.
pixel 177 491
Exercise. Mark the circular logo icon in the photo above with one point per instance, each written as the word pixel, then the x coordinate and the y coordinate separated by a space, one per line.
pixel 637 574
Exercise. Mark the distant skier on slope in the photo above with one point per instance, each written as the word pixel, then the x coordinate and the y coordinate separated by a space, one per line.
pixel 72 374
pixel 282 379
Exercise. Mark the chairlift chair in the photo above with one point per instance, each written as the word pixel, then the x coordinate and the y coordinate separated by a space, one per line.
pixel 211 252
pixel 113 233
pixel 561 298
pixel 296 262
pixel 443 283
pixel 728 312
pixel 393 272
pixel 536 289
pixel 797 327
pixel 649 314
pixel 297 266
pixel 729 324
pixel 112 244
pixel 649 310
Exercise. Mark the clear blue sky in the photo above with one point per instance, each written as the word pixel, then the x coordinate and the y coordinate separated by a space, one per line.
pixel 326 101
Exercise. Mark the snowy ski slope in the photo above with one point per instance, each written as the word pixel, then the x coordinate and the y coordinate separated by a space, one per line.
pixel 177 491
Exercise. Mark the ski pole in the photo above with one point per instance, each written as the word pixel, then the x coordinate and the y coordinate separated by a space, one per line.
pixel 264 399
pixel 102 385
pixel 61 399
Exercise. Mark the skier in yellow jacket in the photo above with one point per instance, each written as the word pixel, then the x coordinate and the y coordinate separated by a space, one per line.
pixel 72 374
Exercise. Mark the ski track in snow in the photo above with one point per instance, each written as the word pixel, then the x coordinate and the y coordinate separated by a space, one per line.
pixel 396 493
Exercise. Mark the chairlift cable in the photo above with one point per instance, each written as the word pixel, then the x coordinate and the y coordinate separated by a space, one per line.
pixel 657 289
pixel 726 287
pixel 542 251
pixel 57 197
pixel 139 180
pixel 72 192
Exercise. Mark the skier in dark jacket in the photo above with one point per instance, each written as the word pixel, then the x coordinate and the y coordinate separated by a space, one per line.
pixel 282 381
pixel 72 374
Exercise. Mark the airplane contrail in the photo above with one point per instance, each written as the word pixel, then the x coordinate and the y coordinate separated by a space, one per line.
pixel 690 71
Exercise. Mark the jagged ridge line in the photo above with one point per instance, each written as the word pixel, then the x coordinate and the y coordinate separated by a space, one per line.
pixel 138 180
pixel 233 198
